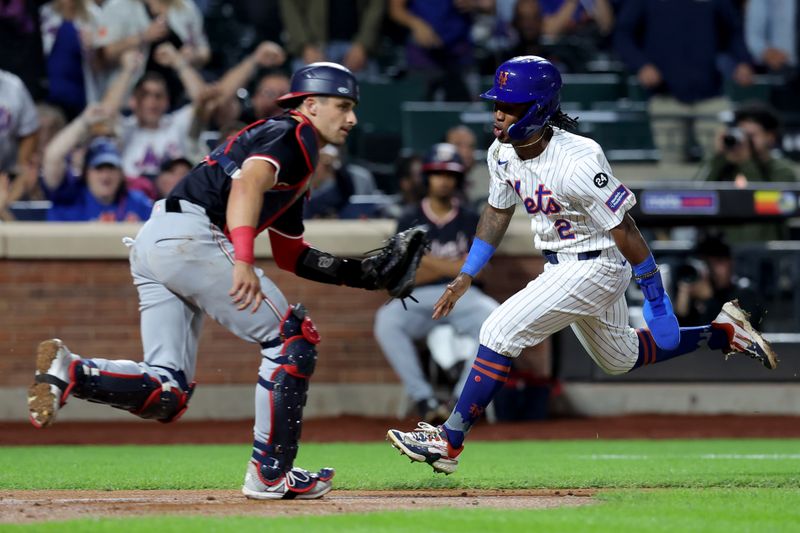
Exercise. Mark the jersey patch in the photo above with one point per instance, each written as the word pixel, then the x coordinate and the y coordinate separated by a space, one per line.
pixel 617 198
pixel 600 180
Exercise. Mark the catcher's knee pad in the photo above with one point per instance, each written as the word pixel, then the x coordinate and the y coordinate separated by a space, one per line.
pixel 299 354
pixel 289 385
pixel 141 394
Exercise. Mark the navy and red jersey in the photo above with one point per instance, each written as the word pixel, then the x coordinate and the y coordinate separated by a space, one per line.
pixel 451 236
pixel 291 146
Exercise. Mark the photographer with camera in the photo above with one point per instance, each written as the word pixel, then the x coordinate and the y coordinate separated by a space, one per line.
pixel 747 150
pixel 705 283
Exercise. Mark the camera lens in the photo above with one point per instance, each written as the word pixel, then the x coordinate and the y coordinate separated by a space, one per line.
pixel 733 137
pixel 687 273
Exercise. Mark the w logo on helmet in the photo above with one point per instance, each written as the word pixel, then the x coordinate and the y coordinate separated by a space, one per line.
pixel 502 78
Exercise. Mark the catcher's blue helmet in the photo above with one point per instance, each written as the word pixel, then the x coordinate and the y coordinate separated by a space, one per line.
pixel 443 157
pixel 329 79
pixel 527 79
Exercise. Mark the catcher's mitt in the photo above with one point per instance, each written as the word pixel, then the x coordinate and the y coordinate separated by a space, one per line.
pixel 394 266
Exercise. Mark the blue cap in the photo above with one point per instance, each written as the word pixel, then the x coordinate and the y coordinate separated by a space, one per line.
pixel 103 151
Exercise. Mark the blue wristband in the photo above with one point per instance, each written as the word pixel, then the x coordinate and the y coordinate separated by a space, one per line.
pixel 645 267
pixel 479 254
pixel 649 280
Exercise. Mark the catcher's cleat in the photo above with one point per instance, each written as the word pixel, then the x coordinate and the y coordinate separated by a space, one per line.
pixel 742 337
pixel 426 444
pixel 265 482
pixel 51 383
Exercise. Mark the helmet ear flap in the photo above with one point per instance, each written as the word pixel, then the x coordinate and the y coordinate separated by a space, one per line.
pixel 536 118
pixel 528 124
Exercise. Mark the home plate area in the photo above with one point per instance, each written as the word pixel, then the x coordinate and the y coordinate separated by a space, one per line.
pixel 36 506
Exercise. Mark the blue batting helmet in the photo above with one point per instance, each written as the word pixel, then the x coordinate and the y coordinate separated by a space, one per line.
pixel 329 79
pixel 527 79
pixel 443 157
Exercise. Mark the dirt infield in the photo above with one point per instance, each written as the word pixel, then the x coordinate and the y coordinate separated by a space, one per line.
pixel 35 506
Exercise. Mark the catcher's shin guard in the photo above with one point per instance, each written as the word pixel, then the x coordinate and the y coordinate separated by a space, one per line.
pixel 141 394
pixel 288 386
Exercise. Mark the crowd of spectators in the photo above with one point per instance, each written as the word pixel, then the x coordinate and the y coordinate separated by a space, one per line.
pixel 106 104
pixel 162 81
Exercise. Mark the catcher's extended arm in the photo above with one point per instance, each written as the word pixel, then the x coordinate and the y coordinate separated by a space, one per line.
pixel 394 266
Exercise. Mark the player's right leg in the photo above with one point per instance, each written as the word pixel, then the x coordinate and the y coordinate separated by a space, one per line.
pixel 473 308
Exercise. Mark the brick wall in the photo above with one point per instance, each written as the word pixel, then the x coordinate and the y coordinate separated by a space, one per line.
pixel 93 306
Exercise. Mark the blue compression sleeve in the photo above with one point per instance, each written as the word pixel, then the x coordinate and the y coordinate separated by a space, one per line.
pixel 479 254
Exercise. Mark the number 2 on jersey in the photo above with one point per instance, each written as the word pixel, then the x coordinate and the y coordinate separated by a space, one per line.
pixel 564 229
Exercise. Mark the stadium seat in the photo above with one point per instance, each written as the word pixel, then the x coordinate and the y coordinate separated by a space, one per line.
pixel 761 89
pixel 377 138
pixel 379 106
pixel 589 88
pixel 425 123
pixel 625 136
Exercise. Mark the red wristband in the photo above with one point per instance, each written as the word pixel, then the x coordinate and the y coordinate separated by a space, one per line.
pixel 243 238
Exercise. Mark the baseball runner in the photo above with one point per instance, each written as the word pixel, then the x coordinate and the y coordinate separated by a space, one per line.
pixel 195 256
pixel 451 227
pixel 579 218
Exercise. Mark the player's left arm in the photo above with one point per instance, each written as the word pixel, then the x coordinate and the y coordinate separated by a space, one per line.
pixel 657 310
pixel 293 254
pixel 630 241
pixel 244 205
pixel 607 201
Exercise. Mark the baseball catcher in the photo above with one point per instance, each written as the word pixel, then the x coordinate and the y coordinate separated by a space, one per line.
pixel 195 256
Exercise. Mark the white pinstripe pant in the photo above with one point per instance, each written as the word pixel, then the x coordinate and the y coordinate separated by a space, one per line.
pixel 588 295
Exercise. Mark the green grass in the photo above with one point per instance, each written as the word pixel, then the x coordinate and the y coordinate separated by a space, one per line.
pixel 519 464
pixel 700 485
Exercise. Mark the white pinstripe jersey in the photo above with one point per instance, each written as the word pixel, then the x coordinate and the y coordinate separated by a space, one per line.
pixel 569 192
